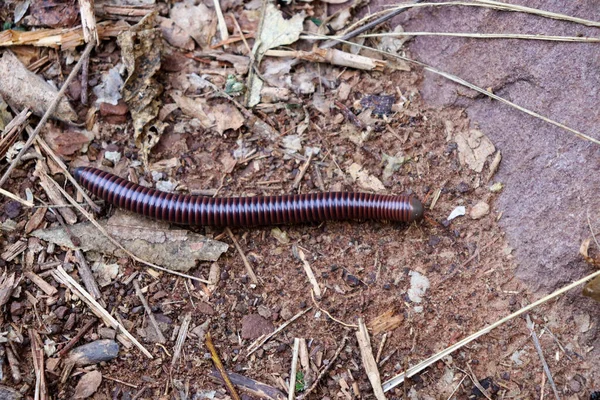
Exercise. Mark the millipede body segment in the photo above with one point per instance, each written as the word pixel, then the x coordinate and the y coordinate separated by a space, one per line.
pixel 247 211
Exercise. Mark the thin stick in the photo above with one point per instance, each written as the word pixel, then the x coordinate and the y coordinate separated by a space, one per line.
pixel 249 269
pixel 302 171
pixel 61 276
pixel 261 341
pixel 395 381
pixel 325 369
pixel 294 370
pixel 221 22
pixel 16 198
pixel 63 352
pixel 219 365
pixel 312 295
pixel 181 336
pixel 309 272
pixel 476 36
pixel 538 347
pixel 140 295
pixel 366 353
pixel 37 352
pixel 48 112
pixel 116 243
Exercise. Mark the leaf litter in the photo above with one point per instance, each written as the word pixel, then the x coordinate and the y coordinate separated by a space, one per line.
pixel 407 154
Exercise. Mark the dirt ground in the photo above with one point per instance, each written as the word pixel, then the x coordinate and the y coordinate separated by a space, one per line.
pixel 478 270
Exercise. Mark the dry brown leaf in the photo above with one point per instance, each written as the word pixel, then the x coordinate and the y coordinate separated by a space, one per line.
pixel 141 48
pixel 227 117
pixel 364 180
pixel 388 321
pixel 175 35
pixel 176 249
pixel 66 143
pixel 194 108
pixel 195 20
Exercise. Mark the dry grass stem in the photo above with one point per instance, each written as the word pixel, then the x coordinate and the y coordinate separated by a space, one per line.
pixel 309 272
pixel 294 370
pixel 538 347
pixel 312 295
pixel 181 336
pixel 140 295
pixel 258 343
pixel 249 269
pixel 61 276
pixel 489 36
pixel 366 352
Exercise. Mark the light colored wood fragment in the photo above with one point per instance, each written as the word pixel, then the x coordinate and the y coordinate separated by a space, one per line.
pixel 364 344
pixel 42 284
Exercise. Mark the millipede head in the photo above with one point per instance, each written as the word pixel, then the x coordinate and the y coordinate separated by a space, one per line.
pixel 416 209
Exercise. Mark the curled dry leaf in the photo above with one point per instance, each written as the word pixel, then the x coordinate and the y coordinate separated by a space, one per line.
pixel 176 249
pixel 141 48
pixel 275 31
pixel 592 288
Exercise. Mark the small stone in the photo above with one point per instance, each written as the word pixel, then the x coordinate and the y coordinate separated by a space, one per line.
pixel 433 240
pixel 286 313
pixel 109 109
pixel 12 209
pixel 575 385
pixel 254 326
pixel 7 393
pixel 463 187
pixel 479 210
pixel 264 311
pixel 94 352
pixel 352 280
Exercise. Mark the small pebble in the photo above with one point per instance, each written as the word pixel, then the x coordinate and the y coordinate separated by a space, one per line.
pixel 479 210
pixel 12 209
pixel 575 386
pixel 94 352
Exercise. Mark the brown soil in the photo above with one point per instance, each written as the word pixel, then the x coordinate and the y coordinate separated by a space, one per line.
pixel 363 268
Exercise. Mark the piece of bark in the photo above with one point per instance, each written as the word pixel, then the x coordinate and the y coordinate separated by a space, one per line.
pixel 176 249
pixel 250 386
pixel 22 88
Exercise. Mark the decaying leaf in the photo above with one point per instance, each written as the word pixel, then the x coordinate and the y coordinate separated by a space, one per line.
pixel 67 142
pixel 474 148
pixel 176 249
pixel 275 31
pixel 592 289
pixel 392 164
pixel 195 20
pixel 141 52
pixel 364 180
pixel 22 88
pixel 194 108
pixel 388 321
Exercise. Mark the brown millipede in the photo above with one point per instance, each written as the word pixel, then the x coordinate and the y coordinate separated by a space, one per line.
pixel 247 211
